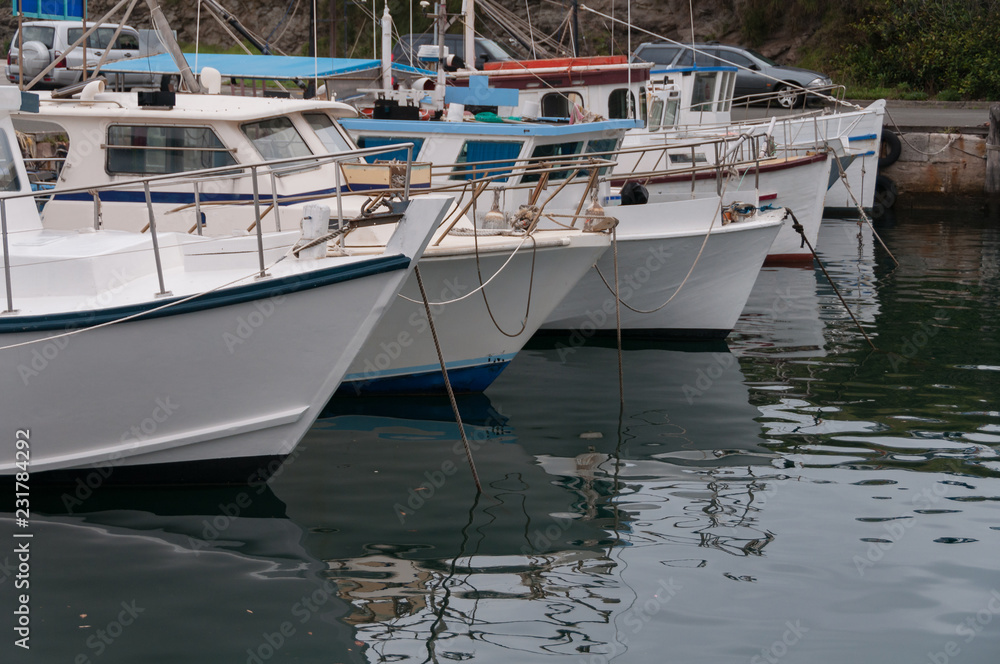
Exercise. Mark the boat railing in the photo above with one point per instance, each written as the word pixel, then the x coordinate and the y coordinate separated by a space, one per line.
pixel 195 178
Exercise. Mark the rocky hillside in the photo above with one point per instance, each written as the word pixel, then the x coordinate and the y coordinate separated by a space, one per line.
pixel 787 31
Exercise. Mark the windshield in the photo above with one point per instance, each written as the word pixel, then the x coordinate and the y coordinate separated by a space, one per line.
pixel 763 58
pixel 276 139
pixel 326 129
pixel 8 166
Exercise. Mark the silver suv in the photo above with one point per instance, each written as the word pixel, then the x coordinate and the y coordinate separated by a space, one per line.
pixel 48 41
pixel 755 79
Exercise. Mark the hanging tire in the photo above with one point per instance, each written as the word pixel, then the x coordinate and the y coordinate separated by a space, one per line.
pixel 885 192
pixel 890 148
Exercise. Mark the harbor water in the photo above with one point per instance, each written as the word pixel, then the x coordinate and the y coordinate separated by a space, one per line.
pixel 787 495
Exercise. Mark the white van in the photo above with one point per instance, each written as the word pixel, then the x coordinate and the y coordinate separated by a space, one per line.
pixel 48 41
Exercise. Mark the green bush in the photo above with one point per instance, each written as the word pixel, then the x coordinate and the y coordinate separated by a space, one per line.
pixel 927 45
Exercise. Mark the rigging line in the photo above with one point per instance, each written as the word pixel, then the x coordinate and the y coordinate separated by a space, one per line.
pixel 267 40
pixel 288 24
pixel 439 625
pixel 704 243
pixel 531 281
pixel 447 381
pixel 798 229
pixel 481 286
pixel 140 314
pixel 618 331
pixel 864 215
pixel 715 57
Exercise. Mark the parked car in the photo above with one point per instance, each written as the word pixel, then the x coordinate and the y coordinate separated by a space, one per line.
pixel 487 50
pixel 759 80
pixel 48 41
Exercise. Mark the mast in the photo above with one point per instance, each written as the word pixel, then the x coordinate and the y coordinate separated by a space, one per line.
pixel 226 16
pixel 167 39
pixel 469 10
pixel 575 9
pixel 386 49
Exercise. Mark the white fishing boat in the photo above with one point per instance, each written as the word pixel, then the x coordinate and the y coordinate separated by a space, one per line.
pixel 700 101
pixel 677 277
pixel 525 274
pixel 131 350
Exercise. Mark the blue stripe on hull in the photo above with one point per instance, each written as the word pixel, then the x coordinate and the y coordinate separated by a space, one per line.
pixel 209 300
pixel 465 379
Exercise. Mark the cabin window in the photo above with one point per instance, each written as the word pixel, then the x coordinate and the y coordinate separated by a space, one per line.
pixel 655 113
pixel 559 151
pixel 8 166
pixel 685 158
pixel 559 104
pixel 669 113
pixel 618 104
pixel 150 149
pixel 704 91
pixel 327 131
pixel 603 148
pixel 477 151
pixel 380 141
pixel 276 138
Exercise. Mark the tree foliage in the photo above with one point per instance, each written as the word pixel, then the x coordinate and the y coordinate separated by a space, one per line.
pixel 930 45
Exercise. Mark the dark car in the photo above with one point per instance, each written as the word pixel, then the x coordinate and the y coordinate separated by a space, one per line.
pixel 759 80
pixel 487 50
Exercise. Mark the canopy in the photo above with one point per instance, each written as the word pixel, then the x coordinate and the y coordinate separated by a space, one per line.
pixel 272 67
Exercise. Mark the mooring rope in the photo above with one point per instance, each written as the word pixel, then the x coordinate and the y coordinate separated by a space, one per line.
pixel 447 381
pixel 801 231
pixel 864 215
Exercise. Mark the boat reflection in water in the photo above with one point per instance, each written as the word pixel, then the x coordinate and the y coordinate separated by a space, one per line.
pixel 375 524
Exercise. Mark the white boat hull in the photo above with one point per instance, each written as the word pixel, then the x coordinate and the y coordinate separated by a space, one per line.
pixel 238 374
pixel 657 246
pixel 798 184
pixel 477 341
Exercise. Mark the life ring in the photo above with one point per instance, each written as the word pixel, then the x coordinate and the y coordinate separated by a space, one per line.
pixel 890 149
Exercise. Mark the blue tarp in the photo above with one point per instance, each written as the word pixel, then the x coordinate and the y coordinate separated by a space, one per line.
pixel 58 10
pixel 272 67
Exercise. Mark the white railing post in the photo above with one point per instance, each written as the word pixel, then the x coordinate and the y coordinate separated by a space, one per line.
pixel 156 245
pixel 260 231
pixel 6 258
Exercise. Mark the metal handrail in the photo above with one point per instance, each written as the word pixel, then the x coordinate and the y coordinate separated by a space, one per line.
pixel 194 178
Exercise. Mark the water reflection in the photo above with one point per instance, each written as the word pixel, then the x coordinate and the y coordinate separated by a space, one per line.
pixel 790 495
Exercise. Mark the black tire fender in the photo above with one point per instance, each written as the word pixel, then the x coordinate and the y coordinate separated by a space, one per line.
pixel 890 149
pixel 885 191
